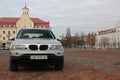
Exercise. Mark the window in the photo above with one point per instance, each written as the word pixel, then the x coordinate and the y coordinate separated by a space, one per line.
pixel 40 26
pixel 3 32
pixel 9 25
pixel 35 33
pixel 3 38
pixel 8 32
pixel 43 26
pixel 13 32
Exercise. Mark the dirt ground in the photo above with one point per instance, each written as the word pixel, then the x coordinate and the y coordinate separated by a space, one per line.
pixel 79 64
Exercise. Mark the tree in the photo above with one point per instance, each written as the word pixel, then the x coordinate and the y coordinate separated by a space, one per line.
pixel 68 38
pixel 91 39
pixel 79 40
pixel 68 32
pixel 82 39
pixel 76 40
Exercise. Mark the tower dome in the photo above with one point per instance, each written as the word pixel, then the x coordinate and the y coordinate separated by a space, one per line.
pixel 25 10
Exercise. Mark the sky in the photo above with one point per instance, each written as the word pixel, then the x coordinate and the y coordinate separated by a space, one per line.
pixel 80 15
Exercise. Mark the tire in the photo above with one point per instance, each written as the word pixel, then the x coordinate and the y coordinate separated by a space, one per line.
pixel 59 66
pixel 13 67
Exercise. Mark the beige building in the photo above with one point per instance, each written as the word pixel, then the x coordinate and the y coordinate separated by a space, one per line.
pixel 9 26
pixel 108 39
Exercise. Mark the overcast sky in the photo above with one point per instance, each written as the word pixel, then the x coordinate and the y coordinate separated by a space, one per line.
pixel 79 15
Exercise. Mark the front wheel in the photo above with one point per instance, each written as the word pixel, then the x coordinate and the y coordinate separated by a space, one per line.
pixel 13 67
pixel 59 66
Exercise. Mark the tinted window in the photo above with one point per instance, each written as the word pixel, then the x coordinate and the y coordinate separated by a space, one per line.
pixel 35 33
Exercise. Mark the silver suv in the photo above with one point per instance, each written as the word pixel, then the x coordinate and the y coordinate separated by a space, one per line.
pixel 36 47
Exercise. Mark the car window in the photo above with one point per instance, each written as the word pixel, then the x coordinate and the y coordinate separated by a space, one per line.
pixel 35 33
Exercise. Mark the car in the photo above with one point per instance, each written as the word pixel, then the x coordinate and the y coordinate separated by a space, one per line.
pixel 36 47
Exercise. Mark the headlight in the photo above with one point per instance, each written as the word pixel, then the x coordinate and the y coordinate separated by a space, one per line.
pixel 56 47
pixel 18 47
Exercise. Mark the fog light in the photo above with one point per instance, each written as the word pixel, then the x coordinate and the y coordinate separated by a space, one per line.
pixel 17 53
pixel 58 53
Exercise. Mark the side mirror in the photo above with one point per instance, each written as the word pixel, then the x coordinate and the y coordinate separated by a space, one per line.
pixel 58 40
pixel 11 38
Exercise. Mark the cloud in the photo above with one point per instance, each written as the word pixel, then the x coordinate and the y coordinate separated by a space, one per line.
pixel 80 15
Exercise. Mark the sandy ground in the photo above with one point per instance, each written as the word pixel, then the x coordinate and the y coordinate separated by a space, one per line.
pixel 79 64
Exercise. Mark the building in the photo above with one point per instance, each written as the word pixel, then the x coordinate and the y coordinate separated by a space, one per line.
pixel 9 26
pixel 109 38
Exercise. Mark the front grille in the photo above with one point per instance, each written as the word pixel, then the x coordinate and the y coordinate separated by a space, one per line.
pixel 43 47
pixel 33 47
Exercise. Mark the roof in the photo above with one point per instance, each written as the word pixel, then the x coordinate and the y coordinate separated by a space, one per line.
pixel 106 31
pixel 37 20
pixel 36 29
pixel 8 19
pixel 25 8
pixel 12 21
pixel 15 19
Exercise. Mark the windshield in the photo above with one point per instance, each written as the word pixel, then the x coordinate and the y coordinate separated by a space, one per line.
pixel 35 33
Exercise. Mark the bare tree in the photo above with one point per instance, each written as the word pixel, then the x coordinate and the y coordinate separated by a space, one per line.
pixel 93 37
pixel 76 37
pixel 88 39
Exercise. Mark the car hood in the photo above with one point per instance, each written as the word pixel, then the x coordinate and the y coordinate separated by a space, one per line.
pixel 36 41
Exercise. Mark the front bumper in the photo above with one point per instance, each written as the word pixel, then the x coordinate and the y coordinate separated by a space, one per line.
pixel 25 60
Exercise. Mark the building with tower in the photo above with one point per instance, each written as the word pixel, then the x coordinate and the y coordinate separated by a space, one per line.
pixel 9 26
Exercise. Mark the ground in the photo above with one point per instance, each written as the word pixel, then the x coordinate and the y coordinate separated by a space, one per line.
pixel 80 64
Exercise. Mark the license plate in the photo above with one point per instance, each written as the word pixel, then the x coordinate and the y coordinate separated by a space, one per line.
pixel 38 57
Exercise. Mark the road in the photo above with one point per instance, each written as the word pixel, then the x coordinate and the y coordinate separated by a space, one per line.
pixel 80 64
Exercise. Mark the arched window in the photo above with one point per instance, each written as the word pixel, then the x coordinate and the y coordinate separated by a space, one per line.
pixel 13 32
pixel 3 38
pixel 3 32
pixel 9 25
